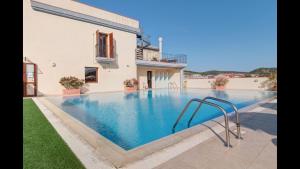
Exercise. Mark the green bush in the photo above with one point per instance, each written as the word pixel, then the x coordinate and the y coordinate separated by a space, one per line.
pixel 131 82
pixel 71 82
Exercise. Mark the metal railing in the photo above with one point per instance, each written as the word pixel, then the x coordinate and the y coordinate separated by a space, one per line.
pixel 166 58
pixel 170 58
pixel 211 104
pixel 237 120
pixel 139 53
pixel 172 85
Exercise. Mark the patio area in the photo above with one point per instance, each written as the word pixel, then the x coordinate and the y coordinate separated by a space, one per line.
pixel 257 149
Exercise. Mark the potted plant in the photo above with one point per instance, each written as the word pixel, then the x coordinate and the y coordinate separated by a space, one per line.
pixel 220 82
pixel 72 85
pixel 135 83
pixel 130 85
pixel 154 59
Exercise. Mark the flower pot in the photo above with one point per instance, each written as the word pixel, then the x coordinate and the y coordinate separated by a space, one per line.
pixel 130 89
pixel 67 92
pixel 220 87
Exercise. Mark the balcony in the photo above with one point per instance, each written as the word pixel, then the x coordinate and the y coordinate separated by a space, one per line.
pixel 167 60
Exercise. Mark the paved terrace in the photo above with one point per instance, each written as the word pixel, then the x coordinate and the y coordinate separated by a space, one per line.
pixel 257 150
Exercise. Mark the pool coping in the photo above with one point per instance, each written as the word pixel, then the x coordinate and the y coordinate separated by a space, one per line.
pixel 106 150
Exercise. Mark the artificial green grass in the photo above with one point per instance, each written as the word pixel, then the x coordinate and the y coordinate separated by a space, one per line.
pixel 42 145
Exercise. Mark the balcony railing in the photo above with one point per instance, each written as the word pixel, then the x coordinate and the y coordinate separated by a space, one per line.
pixel 166 58
pixel 170 58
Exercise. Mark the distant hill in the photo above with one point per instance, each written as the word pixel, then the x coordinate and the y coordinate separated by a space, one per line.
pixel 260 71
pixel 216 72
pixel 264 70
pixel 189 72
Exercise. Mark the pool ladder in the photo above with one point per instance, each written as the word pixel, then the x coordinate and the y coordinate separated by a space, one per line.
pixel 172 85
pixel 203 101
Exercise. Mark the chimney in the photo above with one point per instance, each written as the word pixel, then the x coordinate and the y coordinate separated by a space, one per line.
pixel 160 39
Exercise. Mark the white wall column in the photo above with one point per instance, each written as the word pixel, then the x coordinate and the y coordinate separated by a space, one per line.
pixel 181 78
pixel 160 39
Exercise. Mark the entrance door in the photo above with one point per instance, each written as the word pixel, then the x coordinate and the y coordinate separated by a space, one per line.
pixel 29 79
pixel 149 79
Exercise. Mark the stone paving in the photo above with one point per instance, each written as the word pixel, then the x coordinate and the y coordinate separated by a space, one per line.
pixel 256 150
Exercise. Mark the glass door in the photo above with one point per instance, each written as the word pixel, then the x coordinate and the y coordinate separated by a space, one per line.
pixel 29 79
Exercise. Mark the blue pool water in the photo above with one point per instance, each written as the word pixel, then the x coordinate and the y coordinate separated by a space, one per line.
pixel 134 119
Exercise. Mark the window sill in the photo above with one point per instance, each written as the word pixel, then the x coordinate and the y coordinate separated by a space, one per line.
pixel 91 82
pixel 105 59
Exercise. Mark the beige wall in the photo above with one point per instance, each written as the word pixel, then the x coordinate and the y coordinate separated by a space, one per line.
pixel 234 83
pixel 70 44
pixel 150 54
pixel 173 76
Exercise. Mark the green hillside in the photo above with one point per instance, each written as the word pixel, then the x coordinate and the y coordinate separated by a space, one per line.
pixel 260 71
pixel 263 70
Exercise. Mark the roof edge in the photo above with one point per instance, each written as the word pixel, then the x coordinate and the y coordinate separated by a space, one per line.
pixel 42 7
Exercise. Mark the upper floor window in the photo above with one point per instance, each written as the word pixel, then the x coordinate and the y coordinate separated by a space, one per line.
pixel 104 45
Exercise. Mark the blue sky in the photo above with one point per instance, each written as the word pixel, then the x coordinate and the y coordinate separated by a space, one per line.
pixel 236 35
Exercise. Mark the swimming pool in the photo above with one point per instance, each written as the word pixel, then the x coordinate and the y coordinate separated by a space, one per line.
pixel 134 119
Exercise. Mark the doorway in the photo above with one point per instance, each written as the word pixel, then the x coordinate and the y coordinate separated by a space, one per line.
pixel 149 79
pixel 29 79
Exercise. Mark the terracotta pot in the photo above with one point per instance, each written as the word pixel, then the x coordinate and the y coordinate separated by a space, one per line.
pixel 220 87
pixel 71 92
pixel 130 89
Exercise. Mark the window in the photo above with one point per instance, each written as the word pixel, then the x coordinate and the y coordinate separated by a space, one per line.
pixel 104 45
pixel 91 74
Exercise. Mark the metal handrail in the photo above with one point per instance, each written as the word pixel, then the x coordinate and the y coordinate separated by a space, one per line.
pixel 178 58
pixel 211 104
pixel 169 85
pixel 172 85
pixel 166 58
pixel 237 122
pixel 175 85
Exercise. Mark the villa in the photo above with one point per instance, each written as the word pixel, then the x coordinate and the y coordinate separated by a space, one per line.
pixel 68 38
pixel 166 121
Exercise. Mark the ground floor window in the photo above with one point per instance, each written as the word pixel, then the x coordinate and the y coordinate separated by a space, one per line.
pixel 161 79
pixel 91 74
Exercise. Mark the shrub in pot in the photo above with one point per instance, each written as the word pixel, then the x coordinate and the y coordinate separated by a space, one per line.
pixel 154 59
pixel 220 82
pixel 72 85
pixel 130 84
pixel 134 82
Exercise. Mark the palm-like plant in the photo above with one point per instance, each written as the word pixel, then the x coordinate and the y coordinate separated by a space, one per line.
pixel 221 80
